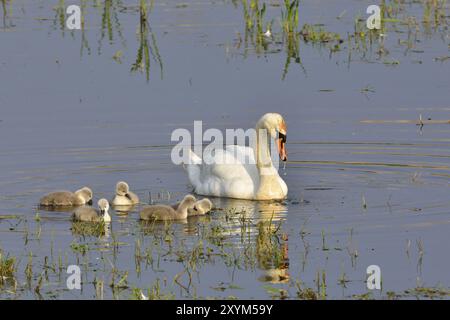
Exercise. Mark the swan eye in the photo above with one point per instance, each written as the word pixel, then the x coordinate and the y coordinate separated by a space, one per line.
pixel 282 137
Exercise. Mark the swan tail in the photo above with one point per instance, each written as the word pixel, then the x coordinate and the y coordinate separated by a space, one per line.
pixel 194 158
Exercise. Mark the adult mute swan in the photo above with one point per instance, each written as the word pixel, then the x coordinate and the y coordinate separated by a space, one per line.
pixel 233 172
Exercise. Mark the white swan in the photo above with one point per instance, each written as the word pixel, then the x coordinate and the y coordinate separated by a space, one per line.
pixel 233 172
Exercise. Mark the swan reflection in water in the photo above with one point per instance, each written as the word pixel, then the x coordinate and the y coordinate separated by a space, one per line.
pixel 254 210
pixel 271 243
pixel 124 210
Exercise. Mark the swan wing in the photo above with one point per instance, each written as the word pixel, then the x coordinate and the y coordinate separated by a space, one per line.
pixel 223 173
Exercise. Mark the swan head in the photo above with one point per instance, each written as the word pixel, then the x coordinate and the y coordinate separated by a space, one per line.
pixel 85 194
pixel 123 189
pixel 277 129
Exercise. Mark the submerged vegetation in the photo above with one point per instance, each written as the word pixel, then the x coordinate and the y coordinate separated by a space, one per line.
pixel 394 19
pixel 318 34
pixel 7 268
pixel 233 239
pixel 289 17
pixel 269 28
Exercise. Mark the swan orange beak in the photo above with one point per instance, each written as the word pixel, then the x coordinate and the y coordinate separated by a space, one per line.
pixel 281 144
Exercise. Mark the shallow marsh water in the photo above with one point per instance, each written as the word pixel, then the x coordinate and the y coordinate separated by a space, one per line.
pixel 361 191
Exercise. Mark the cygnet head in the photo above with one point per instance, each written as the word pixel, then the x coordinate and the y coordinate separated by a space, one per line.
pixel 85 193
pixel 103 206
pixel 122 188
pixel 188 201
pixel 203 206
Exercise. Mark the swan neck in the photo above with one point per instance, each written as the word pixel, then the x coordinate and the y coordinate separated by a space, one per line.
pixel 80 197
pixel 182 211
pixel 262 149
pixel 106 216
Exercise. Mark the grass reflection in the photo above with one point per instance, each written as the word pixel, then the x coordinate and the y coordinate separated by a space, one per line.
pixel 146 48
pixel 7 11
pixel 111 13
